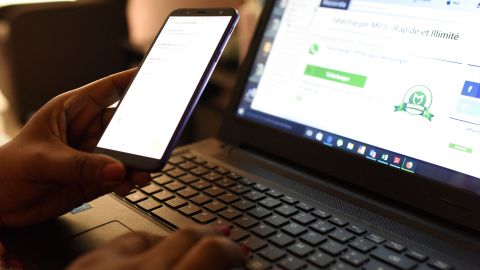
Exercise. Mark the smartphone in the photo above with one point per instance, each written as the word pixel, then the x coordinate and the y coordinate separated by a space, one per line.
pixel 152 113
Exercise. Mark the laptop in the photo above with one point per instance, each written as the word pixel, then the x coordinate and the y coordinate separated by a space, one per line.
pixel 351 142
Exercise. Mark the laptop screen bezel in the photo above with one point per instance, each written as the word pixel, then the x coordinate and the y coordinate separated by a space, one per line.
pixel 445 201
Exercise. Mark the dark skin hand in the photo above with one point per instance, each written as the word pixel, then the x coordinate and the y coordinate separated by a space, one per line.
pixel 48 169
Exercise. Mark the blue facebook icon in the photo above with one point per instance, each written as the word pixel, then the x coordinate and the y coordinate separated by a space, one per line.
pixel 471 89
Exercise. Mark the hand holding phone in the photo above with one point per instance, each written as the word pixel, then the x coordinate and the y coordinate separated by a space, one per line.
pixel 157 105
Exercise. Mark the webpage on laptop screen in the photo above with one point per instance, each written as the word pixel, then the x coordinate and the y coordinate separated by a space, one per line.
pixel 395 81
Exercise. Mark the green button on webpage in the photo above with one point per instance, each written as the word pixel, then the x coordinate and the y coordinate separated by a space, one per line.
pixel 460 148
pixel 336 76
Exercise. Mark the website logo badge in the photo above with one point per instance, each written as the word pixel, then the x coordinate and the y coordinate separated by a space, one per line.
pixel 417 101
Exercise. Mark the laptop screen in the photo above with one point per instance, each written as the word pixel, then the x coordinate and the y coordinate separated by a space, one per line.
pixel 396 82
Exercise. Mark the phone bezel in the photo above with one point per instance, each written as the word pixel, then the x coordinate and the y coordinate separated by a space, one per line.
pixel 151 164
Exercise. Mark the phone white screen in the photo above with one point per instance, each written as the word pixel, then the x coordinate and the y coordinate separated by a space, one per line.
pixel 151 110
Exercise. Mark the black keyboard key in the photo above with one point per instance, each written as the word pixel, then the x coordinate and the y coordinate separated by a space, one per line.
pixel 230 214
pixel 276 221
pixel 354 258
pixel 338 221
pixel 260 187
pixel 187 192
pixel 376 265
pixel 341 236
pixel 149 204
pixel 168 167
pixel 246 182
pixel 332 247
pixel 281 239
pixel 395 246
pixel 377 239
pixel 263 230
pixel 214 191
pixel 172 217
pixel 440 265
pixel 321 259
pixel 189 156
pixel 237 234
pixel 225 182
pixel 239 189
pixel 204 217
pixel 272 253
pixel 291 263
pixel 221 170
pixel 188 165
pixel 254 243
pixel 151 189
pixel 259 212
pixel 209 165
pixel 255 196
pixel 321 214
pixel 244 205
pixel 201 185
pixel 304 207
pixel 270 203
pixel 188 178
pixel 322 227
pixel 211 176
pixel 174 186
pixel 304 219
pixel 234 176
pixel 199 160
pixel 136 197
pixel 190 210
pixel 341 266
pixel 201 199
pixel 274 194
pixel 176 172
pixel 356 229
pixel 257 264
pixel 313 238
pixel 246 222
pixel 163 195
pixel 176 202
pixel 419 257
pixel 362 245
pixel 300 249
pixel 220 222
pixel 229 198
pixel 393 258
pixel 163 179
pixel 286 210
pixel 199 171
pixel 176 160
pixel 215 206
pixel 289 200
pixel 294 229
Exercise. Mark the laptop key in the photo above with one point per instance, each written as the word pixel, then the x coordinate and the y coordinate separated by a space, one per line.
pixel 304 207
pixel 246 222
pixel 254 243
pixel 395 246
pixel 259 212
pixel 176 202
pixel 187 192
pixel 270 203
pixel 230 214
pixel 419 257
pixel 212 176
pixel 300 249
pixel 376 265
pixel 377 239
pixel 272 253
pixel 214 191
pixel 204 217
pixel 190 210
pixel 321 214
pixel 201 185
pixel 201 199
pixel 215 206
pixel 304 218
pixel 257 264
pixel 209 165
pixel 149 204
pixel 188 165
pixel 289 200
pixel 286 210
pixel 188 178
pixel 440 265
pixel 172 217
pixel 199 171
pixel 274 194
pixel 229 198
pixel 189 156
pixel 332 247
pixel 362 245
pixel 341 236
pixel 176 172
pixel 199 160
pixel 163 179
pixel 356 229
pixel 239 189
pixel 220 222
pixel 255 196
pixel 338 221
pixel 313 238
pixel 151 189
pixel 322 227
pixel 294 229
pixel 246 182
pixel 237 234
pixel 260 187
pixel 393 258
pixel 341 266
pixel 292 263
pixel 221 170
pixel 263 230
pixel 354 258
pixel 176 160
pixel 163 195
pixel 281 239
pixel 234 176
pixel 243 205
pixel 321 259
pixel 174 186
pixel 168 167
pixel 276 221
pixel 136 197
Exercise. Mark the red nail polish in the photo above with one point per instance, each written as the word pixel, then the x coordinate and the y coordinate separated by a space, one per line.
pixel 224 229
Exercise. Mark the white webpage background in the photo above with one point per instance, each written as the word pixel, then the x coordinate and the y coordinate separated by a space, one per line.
pixel 393 63
pixel 153 106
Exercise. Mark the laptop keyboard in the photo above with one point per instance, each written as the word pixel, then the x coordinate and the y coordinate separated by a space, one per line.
pixel 279 230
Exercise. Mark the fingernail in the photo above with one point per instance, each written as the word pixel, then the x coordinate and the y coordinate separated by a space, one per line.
pixel 113 172
pixel 245 250
pixel 224 229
